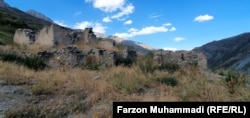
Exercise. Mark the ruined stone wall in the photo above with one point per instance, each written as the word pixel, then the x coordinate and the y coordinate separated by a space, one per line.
pixel 106 44
pixel 61 36
pixel 71 56
pixel 89 36
pixel 55 35
pixel 183 58
pixel 45 36
pixel 24 36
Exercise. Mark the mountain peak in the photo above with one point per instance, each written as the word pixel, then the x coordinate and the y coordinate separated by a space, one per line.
pixel 3 4
pixel 39 15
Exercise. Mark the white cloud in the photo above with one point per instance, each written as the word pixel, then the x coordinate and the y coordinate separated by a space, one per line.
pixel 106 19
pixel 144 31
pixel 133 30
pixel 154 16
pixel 110 6
pixel 203 18
pixel 78 13
pixel 129 9
pixel 97 27
pixel 172 29
pixel 170 48
pixel 128 22
pixel 167 24
pixel 178 39
pixel 61 23
pixel 107 5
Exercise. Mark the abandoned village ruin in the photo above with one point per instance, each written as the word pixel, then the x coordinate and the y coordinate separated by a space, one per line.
pixel 56 36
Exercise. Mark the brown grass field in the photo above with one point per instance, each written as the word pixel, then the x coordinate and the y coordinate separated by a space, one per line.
pixel 79 92
pixel 65 91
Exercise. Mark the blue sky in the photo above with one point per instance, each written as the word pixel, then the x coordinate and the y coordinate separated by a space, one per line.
pixel 163 24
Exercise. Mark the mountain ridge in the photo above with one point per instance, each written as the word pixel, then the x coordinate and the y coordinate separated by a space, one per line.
pixel 232 52
pixel 39 15
pixel 12 18
pixel 3 4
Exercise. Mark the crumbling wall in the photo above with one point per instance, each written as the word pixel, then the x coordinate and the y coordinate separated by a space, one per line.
pixel 106 44
pixel 182 58
pixel 71 56
pixel 55 35
pixel 61 36
pixel 89 36
pixel 24 36
pixel 45 36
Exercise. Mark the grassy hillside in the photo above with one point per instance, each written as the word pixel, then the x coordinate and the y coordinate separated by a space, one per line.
pixel 228 53
pixel 64 91
pixel 12 19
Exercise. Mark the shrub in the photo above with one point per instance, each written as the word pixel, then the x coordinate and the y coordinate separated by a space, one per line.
pixel 10 57
pixel 91 63
pixel 128 83
pixel 39 90
pixel 124 61
pixel 146 64
pixel 92 67
pixel 32 62
pixel 170 67
pixel 168 81
pixel 234 79
pixel 77 107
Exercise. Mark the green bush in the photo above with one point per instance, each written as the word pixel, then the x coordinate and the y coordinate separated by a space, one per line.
pixel 170 67
pixel 146 64
pixel 168 81
pixel 128 62
pixel 39 90
pixel 232 74
pixel 91 67
pixel 91 63
pixel 32 62
pixel 126 84
pixel 234 79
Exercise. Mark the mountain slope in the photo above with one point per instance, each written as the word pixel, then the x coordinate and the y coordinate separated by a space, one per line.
pixel 233 52
pixel 138 46
pixel 39 15
pixel 3 4
pixel 12 18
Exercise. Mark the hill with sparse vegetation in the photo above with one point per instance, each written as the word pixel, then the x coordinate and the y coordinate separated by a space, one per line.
pixel 12 19
pixel 31 88
pixel 233 52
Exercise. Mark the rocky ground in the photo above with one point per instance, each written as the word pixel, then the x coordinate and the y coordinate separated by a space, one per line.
pixel 12 96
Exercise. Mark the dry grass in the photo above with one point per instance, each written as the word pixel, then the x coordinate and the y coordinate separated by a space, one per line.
pixel 74 91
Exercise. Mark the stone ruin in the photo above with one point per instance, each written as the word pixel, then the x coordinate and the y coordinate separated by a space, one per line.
pixel 72 56
pixel 182 58
pixel 24 36
pixel 54 35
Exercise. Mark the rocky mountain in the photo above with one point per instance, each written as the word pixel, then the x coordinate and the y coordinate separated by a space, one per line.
pixel 138 46
pixel 12 19
pixel 39 15
pixel 233 52
pixel 3 4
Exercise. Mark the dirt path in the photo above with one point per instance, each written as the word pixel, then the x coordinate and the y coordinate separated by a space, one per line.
pixel 12 96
